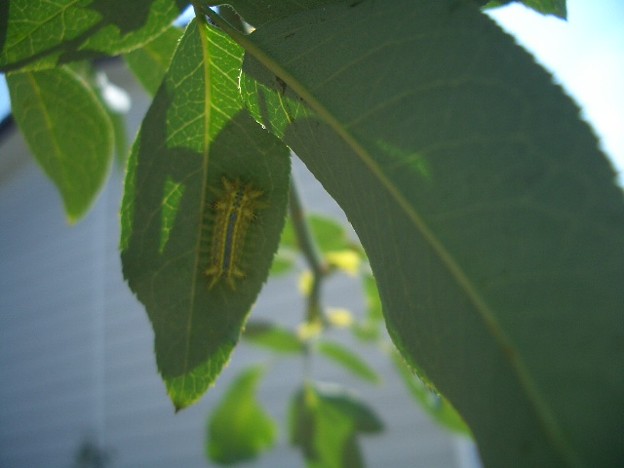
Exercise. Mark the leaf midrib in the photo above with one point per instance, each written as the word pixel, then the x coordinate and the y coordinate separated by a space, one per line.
pixel 205 158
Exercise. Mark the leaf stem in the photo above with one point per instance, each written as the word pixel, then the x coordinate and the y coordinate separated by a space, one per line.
pixel 311 253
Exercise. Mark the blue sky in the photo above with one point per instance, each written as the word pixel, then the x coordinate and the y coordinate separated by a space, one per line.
pixel 585 54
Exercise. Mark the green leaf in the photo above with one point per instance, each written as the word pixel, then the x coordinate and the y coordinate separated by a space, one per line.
pixel 325 422
pixel 122 147
pixel 114 100
pixel 369 328
pixel 438 407
pixel 110 95
pixel 239 428
pixel 283 262
pixel 41 34
pixel 257 13
pixel 350 361
pixel 492 222
pixel 150 63
pixel 328 234
pixel 275 338
pixel 67 130
pixel 547 7
pixel 287 252
pixel 194 136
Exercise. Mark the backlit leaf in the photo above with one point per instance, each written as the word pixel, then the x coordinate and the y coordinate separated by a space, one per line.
pixel 325 422
pixel 41 34
pixel 347 359
pixel 194 136
pixel 492 222
pixel 150 63
pixel 239 429
pixel 68 131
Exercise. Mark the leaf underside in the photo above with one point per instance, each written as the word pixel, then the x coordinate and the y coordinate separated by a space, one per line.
pixel 492 222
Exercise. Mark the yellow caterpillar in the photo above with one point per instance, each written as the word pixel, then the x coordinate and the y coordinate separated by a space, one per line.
pixel 234 211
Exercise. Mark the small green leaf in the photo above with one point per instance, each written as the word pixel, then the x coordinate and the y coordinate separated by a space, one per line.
pixel 369 328
pixel 42 34
pixel 114 100
pixel 283 262
pixel 347 359
pixel 68 131
pixel 328 233
pixel 324 423
pixel 289 239
pixel 270 336
pixel 239 428
pixel 150 62
pixel 364 419
pixel 122 147
pixel 117 103
pixel 194 136
pixel 438 407
pixel 546 7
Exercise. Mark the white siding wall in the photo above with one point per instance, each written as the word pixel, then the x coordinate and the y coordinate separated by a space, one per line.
pixel 76 357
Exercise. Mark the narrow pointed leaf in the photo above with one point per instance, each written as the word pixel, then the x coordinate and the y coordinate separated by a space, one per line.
pixel 41 34
pixel 273 337
pixel 68 131
pixel 195 135
pixel 347 359
pixel 239 428
pixel 492 222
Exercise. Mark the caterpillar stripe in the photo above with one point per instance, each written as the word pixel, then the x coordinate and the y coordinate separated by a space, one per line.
pixel 234 212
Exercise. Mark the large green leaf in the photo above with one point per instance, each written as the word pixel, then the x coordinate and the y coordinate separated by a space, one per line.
pixel 239 428
pixel 194 136
pixel 39 34
pixel 68 131
pixel 492 222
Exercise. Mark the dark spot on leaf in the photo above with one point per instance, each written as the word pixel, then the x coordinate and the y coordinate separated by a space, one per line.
pixel 281 84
